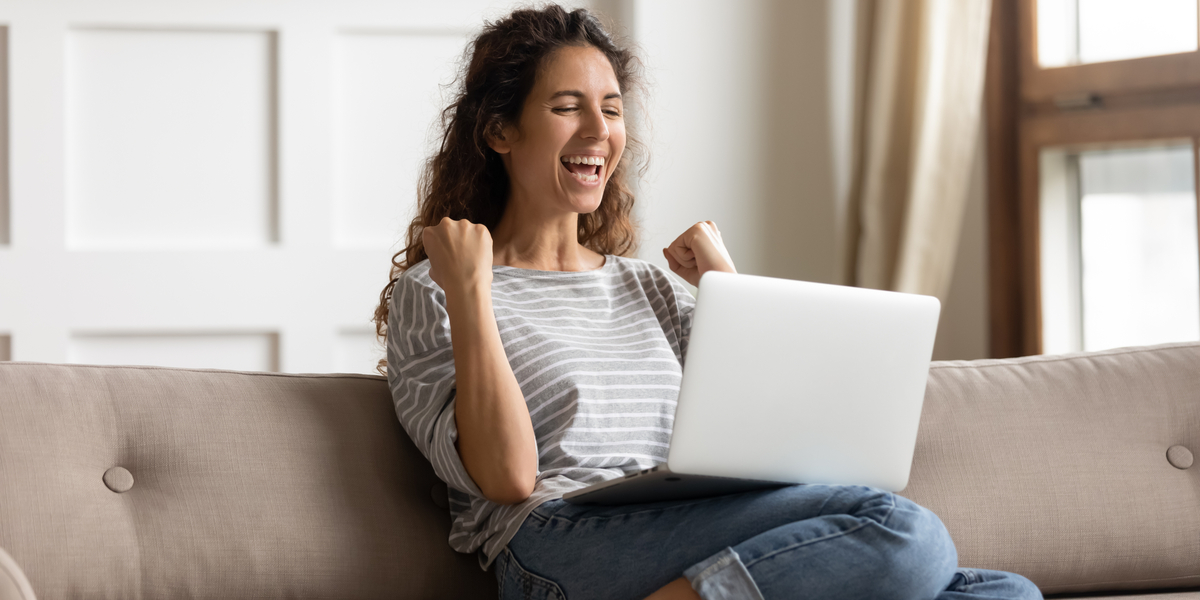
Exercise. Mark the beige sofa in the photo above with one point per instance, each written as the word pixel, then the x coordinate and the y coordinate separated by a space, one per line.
pixel 127 482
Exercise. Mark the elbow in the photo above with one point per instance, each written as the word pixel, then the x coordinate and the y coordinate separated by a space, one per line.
pixel 513 491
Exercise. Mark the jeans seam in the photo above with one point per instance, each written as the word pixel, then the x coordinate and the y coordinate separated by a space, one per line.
pixel 533 513
pixel 727 576
pixel 891 499
pixel 708 571
pixel 882 522
pixel 891 509
pixel 804 543
pixel 526 575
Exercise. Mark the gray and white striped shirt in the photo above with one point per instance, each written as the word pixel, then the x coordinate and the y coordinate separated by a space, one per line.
pixel 598 355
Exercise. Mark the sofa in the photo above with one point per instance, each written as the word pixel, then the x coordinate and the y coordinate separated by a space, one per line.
pixel 141 482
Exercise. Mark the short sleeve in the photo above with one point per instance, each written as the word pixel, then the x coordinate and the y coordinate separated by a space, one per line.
pixel 421 373
pixel 685 305
pixel 673 304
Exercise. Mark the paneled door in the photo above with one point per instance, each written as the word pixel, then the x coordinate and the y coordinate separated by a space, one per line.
pixel 212 183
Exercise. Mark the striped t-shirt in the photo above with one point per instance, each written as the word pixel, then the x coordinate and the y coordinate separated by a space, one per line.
pixel 598 355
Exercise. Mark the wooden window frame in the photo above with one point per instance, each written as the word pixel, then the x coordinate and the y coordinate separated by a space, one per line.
pixel 1029 108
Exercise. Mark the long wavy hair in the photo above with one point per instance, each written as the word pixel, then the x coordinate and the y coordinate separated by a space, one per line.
pixel 465 178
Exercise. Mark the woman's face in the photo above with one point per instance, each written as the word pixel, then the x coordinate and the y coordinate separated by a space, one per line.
pixel 571 133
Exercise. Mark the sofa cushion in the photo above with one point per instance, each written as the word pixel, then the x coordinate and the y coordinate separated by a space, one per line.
pixel 240 485
pixel 1056 467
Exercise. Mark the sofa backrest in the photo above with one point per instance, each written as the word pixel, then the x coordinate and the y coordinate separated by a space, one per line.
pixel 1057 467
pixel 266 485
pixel 239 485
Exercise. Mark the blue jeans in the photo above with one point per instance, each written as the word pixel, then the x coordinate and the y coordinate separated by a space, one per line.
pixel 805 542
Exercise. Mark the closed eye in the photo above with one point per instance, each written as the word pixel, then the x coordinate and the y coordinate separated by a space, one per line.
pixel 562 110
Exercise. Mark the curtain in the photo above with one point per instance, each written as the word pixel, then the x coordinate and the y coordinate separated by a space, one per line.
pixel 920 110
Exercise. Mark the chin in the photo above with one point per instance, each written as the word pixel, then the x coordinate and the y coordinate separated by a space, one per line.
pixel 585 206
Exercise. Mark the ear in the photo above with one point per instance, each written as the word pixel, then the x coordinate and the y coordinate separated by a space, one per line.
pixel 499 138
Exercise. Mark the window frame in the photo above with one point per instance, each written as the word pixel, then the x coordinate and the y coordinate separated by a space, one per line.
pixel 1028 108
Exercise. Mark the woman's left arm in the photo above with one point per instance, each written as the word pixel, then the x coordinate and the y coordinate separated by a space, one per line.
pixel 698 251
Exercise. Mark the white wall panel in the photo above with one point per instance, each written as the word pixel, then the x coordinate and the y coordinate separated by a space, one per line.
pixel 173 171
pixel 5 190
pixel 387 95
pixel 237 351
pixel 357 351
pixel 295 130
pixel 170 138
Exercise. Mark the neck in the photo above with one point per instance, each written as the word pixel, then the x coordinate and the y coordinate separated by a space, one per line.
pixel 545 241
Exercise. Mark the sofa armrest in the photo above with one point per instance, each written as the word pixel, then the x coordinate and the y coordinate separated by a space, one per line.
pixel 13 584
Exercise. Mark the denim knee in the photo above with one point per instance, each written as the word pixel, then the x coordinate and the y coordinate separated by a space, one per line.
pixel 925 559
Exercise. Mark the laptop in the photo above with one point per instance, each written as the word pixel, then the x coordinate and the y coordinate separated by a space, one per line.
pixel 788 382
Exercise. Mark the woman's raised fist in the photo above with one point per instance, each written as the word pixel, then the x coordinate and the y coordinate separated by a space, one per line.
pixel 460 254
pixel 698 251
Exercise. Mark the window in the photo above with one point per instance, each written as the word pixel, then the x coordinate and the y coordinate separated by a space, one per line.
pixel 1118 247
pixel 1093 124
pixel 1075 32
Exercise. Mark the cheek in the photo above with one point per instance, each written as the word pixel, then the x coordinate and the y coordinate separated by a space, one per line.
pixel 531 164
pixel 535 156
pixel 616 136
pixel 616 140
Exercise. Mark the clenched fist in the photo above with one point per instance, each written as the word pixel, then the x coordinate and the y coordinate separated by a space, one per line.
pixel 460 255
pixel 698 251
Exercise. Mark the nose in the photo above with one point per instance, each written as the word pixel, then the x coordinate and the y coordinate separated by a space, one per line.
pixel 594 126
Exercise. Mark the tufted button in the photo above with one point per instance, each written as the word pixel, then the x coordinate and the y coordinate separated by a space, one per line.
pixel 118 479
pixel 1179 457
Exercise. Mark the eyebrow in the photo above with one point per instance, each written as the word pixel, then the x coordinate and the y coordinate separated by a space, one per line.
pixel 579 94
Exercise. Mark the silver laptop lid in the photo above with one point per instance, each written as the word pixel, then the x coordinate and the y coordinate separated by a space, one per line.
pixel 803 382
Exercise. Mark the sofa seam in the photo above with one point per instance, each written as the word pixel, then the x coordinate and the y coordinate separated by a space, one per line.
pixel 1067 588
pixel 1042 358
pixel 227 371
pixel 935 365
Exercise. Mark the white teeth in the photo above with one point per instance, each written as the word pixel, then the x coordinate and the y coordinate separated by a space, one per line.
pixel 586 178
pixel 584 160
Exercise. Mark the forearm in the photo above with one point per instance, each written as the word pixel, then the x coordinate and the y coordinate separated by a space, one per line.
pixel 495 435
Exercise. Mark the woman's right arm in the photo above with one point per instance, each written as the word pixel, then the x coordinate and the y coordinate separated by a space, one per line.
pixel 495 434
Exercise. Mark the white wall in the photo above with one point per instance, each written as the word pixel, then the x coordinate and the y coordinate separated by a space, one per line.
pixel 752 114
pixel 238 207
pixel 741 131
pixel 963 328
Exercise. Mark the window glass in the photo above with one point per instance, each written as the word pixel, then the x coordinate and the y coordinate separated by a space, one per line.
pixel 1141 281
pixel 1119 247
pixel 1072 32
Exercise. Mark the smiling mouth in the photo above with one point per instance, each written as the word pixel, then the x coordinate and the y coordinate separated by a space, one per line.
pixel 584 168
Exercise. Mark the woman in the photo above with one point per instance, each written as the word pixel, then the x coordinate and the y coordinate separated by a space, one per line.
pixel 527 357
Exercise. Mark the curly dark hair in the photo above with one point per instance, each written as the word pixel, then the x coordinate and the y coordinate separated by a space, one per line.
pixel 465 178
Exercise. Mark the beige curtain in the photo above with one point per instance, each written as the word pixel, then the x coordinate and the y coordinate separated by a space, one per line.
pixel 921 83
